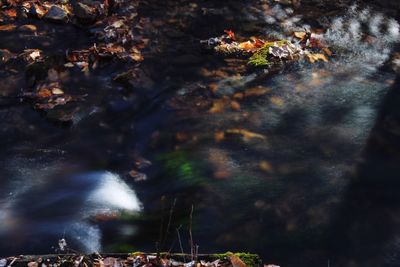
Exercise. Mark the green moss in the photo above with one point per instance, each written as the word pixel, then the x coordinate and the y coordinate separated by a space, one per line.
pixel 260 58
pixel 251 260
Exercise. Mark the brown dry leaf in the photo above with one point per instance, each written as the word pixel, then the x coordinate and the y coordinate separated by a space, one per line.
pixel 213 87
pixel 219 136
pixel 236 261
pixel 327 51
pixel 265 166
pixel 218 106
pixel 299 35
pixel 256 91
pixel 247 135
pixel 181 136
pixel 235 105
pixel 7 28
pixel 277 101
pixel 27 28
pixel 238 95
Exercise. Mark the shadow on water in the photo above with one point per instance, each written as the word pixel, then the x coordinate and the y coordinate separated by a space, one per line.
pixel 367 228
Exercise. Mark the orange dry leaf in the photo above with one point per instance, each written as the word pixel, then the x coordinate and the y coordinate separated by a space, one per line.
pixel 231 34
pixel 12 13
pixel 256 91
pixel 247 135
pixel 218 106
pixel 219 136
pixel 235 105
pixel 44 93
pixel 327 51
pixel 7 28
pixel 236 261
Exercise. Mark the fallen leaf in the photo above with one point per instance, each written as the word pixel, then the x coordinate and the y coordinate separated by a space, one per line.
pixel 221 174
pixel 219 136
pixel 27 28
pixel 34 55
pixel 277 101
pixel 235 105
pixel 256 91
pixel 231 34
pixel 265 166
pixel 213 87
pixel 236 261
pixel 299 35
pixel 181 136
pixel 247 135
pixel 57 91
pixel 316 57
pixel 327 51
pixel 44 93
pixel 12 13
pixel 7 28
pixel 238 95
pixel 217 106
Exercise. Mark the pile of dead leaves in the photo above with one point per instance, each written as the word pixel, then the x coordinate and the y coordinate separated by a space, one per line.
pixel 113 27
pixel 262 53
pixel 136 259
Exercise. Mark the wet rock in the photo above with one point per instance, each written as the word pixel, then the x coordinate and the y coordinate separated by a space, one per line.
pixel 85 13
pixel 27 28
pixel 57 14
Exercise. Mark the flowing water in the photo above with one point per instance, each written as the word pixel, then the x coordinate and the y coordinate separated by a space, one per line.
pixel 315 186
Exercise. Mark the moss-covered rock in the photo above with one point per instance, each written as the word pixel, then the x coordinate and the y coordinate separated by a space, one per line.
pixel 260 58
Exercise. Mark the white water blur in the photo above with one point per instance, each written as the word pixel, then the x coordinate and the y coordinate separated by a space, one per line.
pixel 45 205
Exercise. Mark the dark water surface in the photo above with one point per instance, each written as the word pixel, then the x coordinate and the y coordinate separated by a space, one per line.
pixel 317 185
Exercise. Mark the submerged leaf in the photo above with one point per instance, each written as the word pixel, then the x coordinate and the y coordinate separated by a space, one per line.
pixel 7 28
pixel 316 57
pixel 247 135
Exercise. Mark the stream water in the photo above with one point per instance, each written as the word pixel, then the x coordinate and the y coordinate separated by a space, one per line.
pixel 316 187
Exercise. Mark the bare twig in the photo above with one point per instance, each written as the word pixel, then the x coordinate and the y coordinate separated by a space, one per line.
pixel 171 211
pixel 180 242
pixel 190 233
